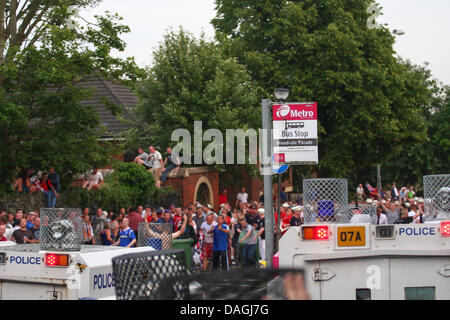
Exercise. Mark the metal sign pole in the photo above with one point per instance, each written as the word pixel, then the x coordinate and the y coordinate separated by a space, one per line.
pixel 279 213
pixel 267 172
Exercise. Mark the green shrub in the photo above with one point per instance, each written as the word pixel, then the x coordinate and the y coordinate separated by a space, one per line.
pixel 129 185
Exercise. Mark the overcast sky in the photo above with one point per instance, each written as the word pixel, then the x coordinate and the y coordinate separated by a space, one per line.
pixel 425 22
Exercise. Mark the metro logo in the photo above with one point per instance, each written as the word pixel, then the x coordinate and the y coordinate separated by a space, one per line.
pixel 300 111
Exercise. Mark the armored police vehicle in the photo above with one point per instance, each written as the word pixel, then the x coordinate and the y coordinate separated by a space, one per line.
pixel 347 258
pixel 59 267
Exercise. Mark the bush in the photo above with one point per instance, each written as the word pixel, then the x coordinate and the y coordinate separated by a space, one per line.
pixel 129 185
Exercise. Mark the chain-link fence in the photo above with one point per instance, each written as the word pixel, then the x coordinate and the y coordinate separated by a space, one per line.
pixel 436 190
pixel 61 229
pixel 366 213
pixel 155 235
pixel 138 276
pixel 325 200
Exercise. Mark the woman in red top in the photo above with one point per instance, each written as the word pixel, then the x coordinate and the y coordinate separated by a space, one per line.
pixel 49 191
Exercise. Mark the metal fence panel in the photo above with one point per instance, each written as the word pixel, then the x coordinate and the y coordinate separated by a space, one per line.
pixel 139 276
pixel 436 190
pixel 325 200
pixel 155 235
pixel 61 229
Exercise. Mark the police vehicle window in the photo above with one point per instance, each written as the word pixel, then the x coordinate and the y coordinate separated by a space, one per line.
pixel 420 293
pixel 363 294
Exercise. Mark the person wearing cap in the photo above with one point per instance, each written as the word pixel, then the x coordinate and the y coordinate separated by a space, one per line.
pixel 296 219
pixel 31 216
pixel 260 228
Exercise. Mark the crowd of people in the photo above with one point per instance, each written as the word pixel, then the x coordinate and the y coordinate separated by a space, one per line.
pixel 19 227
pixel 31 181
pixel 233 236
pixel 393 206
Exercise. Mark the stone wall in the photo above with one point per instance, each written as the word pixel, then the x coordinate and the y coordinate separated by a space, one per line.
pixel 27 202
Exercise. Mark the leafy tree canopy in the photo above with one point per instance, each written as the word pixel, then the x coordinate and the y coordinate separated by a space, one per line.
pixel 193 80
pixel 370 102
pixel 41 60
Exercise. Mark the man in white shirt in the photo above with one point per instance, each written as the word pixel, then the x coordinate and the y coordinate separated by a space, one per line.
pixel 380 218
pixel 207 246
pixel 157 163
pixel 241 196
pixel 93 180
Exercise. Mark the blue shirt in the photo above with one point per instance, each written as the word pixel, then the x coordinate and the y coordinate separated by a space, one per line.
pixel 29 225
pixel 220 238
pixel 126 236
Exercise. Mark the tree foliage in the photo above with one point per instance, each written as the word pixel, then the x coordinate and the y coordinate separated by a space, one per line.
pixel 429 157
pixel 370 102
pixel 42 120
pixel 192 80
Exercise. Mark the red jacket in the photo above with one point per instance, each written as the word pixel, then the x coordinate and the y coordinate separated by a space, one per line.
pixel 223 199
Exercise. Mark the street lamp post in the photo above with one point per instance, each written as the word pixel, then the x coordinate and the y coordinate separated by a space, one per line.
pixel 281 94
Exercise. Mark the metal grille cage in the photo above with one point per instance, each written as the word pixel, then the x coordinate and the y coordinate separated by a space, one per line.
pixel 325 200
pixel 247 284
pixel 436 190
pixel 361 214
pixel 138 276
pixel 155 235
pixel 61 229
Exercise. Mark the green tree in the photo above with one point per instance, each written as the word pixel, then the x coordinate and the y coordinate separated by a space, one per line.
pixel 370 102
pixel 42 120
pixel 431 156
pixel 192 80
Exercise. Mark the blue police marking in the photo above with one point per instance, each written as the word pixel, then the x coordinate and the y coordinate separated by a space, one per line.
pixel 102 281
pixel 25 260
pixel 426 231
